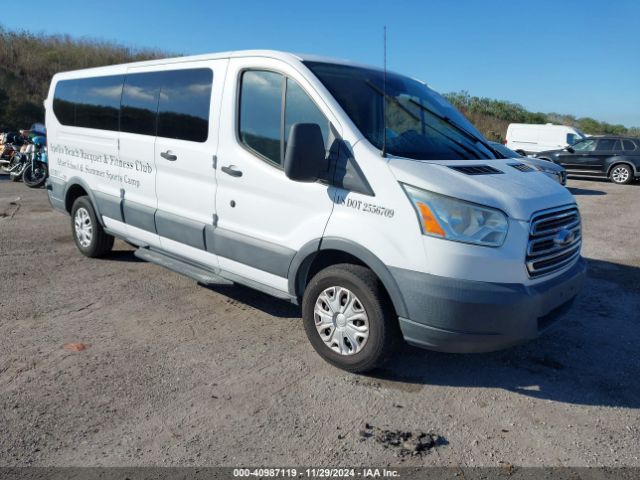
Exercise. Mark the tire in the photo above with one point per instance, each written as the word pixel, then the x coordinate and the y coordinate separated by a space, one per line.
pixel 90 237
pixel 621 174
pixel 37 180
pixel 383 331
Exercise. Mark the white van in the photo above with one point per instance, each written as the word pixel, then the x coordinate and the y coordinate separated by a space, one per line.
pixel 527 138
pixel 284 173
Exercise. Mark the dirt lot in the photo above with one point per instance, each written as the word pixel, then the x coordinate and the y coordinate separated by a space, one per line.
pixel 178 374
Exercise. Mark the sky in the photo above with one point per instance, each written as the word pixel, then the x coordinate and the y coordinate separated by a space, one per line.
pixel 565 56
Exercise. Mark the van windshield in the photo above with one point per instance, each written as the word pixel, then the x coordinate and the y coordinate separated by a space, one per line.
pixel 420 123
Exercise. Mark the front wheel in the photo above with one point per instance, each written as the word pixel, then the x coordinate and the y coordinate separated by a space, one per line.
pixel 35 174
pixel 621 174
pixel 348 318
pixel 88 234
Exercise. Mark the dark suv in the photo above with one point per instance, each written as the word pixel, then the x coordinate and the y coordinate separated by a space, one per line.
pixel 617 158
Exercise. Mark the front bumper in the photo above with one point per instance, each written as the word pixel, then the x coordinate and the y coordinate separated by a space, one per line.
pixel 462 316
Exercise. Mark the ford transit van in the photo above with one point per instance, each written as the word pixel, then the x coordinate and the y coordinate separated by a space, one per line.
pixel 526 138
pixel 362 196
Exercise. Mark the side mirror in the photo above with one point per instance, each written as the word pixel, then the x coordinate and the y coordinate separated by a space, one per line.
pixel 570 149
pixel 305 159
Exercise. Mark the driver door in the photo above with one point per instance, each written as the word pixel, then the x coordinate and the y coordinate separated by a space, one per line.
pixel 582 158
pixel 263 217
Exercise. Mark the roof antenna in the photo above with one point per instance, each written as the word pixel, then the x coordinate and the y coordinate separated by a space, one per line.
pixel 384 98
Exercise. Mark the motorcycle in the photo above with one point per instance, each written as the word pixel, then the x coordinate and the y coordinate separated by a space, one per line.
pixel 36 170
pixel 18 162
pixel 9 147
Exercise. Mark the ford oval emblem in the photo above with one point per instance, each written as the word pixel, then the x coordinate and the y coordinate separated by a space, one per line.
pixel 564 237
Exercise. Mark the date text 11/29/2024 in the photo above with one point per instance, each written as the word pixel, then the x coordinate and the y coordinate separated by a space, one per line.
pixel 316 472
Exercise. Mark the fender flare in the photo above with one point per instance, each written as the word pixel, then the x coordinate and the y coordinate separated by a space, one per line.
pixel 73 181
pixel 617 161
pixel 305 256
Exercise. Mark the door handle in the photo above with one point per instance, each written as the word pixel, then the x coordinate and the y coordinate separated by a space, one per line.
pixel 169 156
pixel 231 171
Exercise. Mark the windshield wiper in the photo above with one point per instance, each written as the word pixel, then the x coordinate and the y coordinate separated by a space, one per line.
pixel 473 152
pixel 462 130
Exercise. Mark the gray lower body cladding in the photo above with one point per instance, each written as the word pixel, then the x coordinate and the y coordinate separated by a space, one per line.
pixel 256 253
pixel 437 313
pixel 461 316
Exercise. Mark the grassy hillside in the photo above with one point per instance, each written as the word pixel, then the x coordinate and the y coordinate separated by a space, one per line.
pixel 492 117
pixel 28 61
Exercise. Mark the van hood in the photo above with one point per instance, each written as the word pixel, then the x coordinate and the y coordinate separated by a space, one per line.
pixel 517 193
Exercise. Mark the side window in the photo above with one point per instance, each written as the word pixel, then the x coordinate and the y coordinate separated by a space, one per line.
pixel 585 146
pixel 183 112
pixel 260 113
pixel 299 108
pixel 140 103
pixel 628 145
pixel 262 118
pixel 607 144
pixel 572 138
pixel 64 106
pixel 89 102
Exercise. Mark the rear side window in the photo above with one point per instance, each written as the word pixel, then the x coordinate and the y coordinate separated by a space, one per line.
pixel 608 144
pixel 185 98
pixel 140 103
pixel 628 145
pixel 89 102
pixel 260 113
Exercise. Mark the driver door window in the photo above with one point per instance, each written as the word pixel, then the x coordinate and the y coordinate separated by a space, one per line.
pixel 585 146
pixel 572 138
pixel 264 123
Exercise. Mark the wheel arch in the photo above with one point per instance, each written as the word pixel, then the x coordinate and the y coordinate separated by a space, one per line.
pixel 75 188
pixel 322 253
pixel 617 161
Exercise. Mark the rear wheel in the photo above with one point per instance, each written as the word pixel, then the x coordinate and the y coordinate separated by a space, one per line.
pixel 88 234
pixel 348 318
pixel 621 174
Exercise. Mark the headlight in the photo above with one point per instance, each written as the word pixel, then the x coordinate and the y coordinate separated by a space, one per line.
pixel 458 220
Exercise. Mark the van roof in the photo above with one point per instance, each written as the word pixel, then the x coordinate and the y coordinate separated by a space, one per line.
pixel 275 54
pixel 541 125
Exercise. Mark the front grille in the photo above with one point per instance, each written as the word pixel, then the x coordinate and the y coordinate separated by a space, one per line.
pixel 522 167
pixel 545 254
pixel 476 169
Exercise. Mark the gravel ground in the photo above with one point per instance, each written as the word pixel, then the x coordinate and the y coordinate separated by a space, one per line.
pixel 179 374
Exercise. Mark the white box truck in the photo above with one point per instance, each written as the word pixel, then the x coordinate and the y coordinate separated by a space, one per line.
pixel 526 138
pixel 373 204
